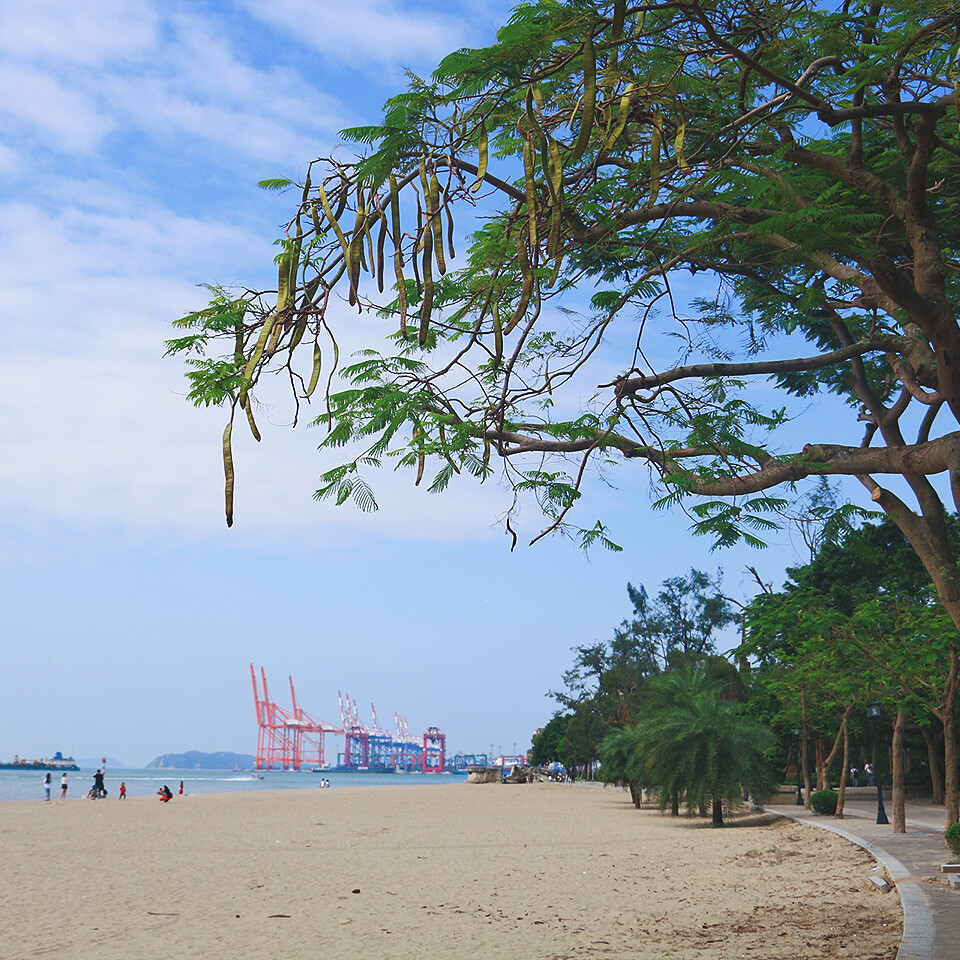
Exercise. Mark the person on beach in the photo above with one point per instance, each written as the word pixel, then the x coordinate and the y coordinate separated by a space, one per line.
pixel 63 787
pixel 123 790
pixel 180 791
pixel 165 794
pixel 46 786
pixel 98 785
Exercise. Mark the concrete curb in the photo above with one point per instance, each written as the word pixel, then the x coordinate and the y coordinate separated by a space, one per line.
pixel 918 926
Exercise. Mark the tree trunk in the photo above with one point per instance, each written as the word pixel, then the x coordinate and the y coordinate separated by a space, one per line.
pixel 841 793
pixel 634 794
pixel 822 783
pixel 899 822
pixel 675 804
pixel 933 765
pixel 945 714
pixel 842 738
pixel 804 758
pixel 717 812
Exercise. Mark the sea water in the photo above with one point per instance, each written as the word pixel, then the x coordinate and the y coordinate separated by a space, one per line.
pixel 28 785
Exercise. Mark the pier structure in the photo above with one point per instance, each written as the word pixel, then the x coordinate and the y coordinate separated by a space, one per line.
pixel 292 739
pixel 434 750
pixel 287 739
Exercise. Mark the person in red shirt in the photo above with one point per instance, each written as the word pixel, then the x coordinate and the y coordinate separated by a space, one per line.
pixel 123 791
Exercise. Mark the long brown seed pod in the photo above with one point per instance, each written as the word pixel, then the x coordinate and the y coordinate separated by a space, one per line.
pixel 381 241
pixel 426 304
pixel 398 255
pixel 497 333
pixel 228 474
pixel 436 224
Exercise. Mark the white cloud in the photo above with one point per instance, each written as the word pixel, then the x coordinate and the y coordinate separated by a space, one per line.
pixel 87 33
pixel 64 118
pixel 179 76
pixel 374 30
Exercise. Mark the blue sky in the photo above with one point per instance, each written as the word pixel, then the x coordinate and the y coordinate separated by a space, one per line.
pixel 132 135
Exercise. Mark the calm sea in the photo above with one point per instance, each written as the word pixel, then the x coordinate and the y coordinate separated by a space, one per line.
pixel 28 785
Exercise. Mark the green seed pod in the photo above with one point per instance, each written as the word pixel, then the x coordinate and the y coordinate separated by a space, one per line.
pixel 655 141
pixel 436 223
pixel 484 148
pixel 248 409
pixel 589 100
pixel 526 290
pixel 315 375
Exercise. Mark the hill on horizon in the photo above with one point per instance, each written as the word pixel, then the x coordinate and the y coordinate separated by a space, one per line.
pixel 196 760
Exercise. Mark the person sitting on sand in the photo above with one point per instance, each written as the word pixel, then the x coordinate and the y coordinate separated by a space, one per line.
pixel 165 794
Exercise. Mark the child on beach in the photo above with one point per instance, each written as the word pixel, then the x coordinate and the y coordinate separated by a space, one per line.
pixel 63 786
pixel 123 791
pixel 165 794
pixel 46 786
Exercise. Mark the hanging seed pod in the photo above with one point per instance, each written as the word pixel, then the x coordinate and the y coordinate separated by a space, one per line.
pixel 623 114
pixel 332 220
pixel 398 254
pixel 368 236
pixel 678 145
pixel 531 192
pixel 449 214
pixel 436 224
pixel 257 353
pixel 589 100
pixel 228 475
pixel 497 333
pixel 343 195
pixel 248 409
pixel 418 248
pixel 484 148
pixel 381 241
pixel 426 305
pixel 298 331
pixel 655 140
pixel 315 375
pixel 525 291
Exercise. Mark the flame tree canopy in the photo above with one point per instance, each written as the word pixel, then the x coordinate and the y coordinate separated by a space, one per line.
pixel 801 159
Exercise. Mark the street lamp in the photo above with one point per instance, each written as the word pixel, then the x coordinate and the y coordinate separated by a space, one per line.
pixel 796 751
pixel 873 712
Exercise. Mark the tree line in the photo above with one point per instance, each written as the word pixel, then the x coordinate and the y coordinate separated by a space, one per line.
pixel 660 709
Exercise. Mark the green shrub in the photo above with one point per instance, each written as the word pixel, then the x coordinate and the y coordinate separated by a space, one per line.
pixel 952 836
pixel 824 802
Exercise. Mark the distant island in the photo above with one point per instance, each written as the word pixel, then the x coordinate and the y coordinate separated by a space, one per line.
pixel 195 760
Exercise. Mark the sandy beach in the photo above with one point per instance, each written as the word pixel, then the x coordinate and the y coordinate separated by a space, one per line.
pixel 533 871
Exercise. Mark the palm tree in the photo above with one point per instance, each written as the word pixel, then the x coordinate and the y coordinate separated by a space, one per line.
pixel 621 761
pixel 695 743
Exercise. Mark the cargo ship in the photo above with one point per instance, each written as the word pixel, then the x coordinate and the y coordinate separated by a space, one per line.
pixel 57 762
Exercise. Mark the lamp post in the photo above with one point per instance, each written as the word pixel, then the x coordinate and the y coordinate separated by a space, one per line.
pixel 796 751
pixel 873 712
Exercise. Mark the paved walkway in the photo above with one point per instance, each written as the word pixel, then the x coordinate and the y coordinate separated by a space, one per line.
pixel 931 907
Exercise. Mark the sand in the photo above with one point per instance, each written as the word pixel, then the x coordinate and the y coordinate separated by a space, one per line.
pixel 534 871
